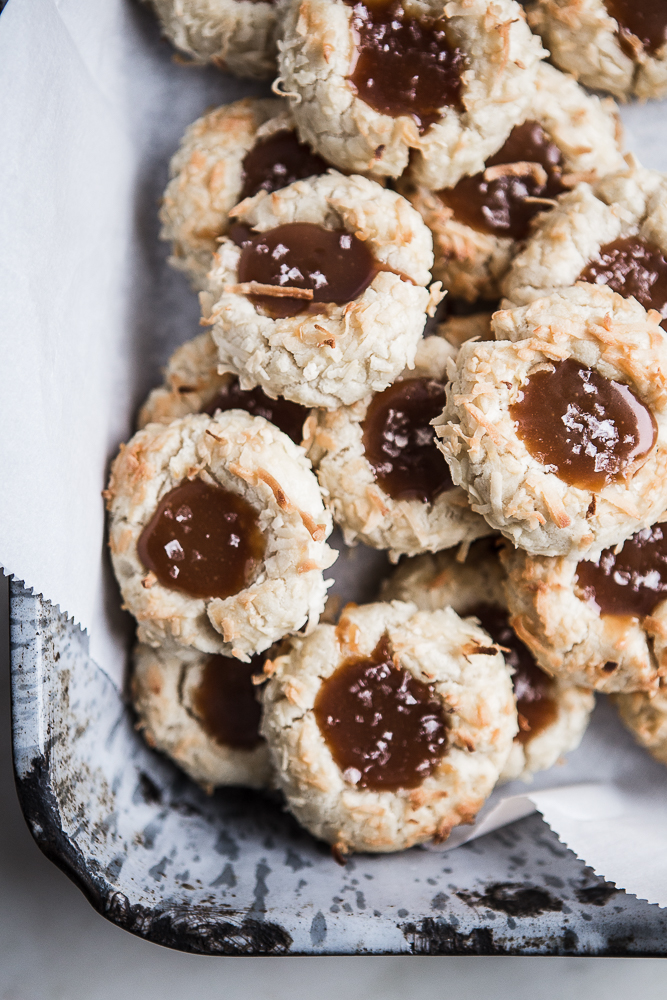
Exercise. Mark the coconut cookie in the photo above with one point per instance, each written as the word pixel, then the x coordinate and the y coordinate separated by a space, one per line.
pixel 563 136
pixel 613 45
pixel 471 326
pixel 600 622
pixel 645 715
pixel 320 293
pixel 218 533
pixel 202 712
pixel 369 82
pixel 378 464
pixel 553 712
pixel 558 431
pixel 612 233
pixel 193 385
pixel 229 154
pixel 390 728
pixel 235 35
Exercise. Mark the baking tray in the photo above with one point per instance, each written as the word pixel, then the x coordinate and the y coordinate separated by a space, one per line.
pixel 233 874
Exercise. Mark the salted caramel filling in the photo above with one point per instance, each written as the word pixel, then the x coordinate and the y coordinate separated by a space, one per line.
pixel 277 161
pixel 385 730
pixel 590 431
pixel 632 581
pixel 404 65
pixel 202 540
pixel 224 702
pixel 399 441
pixel 634 267
pixel 534 690
pixel 328 265
pixel 517 182
pixel 646 20
pixel 289 417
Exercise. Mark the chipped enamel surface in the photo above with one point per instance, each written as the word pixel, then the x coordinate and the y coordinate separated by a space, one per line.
pixel 233 874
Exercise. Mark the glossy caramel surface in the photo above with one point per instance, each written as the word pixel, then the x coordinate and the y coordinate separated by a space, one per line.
pixel 534 690
pixel 645 19
pixel 336 265
pixel 289 417
pixel 632 581
pixel 202 540
pixel 404 65
pixel 400 443
pixel 501 205
pixel 385 730
pixel 225 703
pixel 634 267
pixel 277 161
pixel 590 430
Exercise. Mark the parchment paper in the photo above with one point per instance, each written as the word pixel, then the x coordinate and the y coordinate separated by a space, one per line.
pixel 92 104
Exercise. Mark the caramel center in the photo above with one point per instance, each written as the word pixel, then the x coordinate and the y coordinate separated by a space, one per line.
pixel 589 430
pixel 400 443
pixel 404 65
pixel 225 702
pixel 632 266
pixel 277 161
pixel 645 19
pixel 534 690
pixel 385 730
pixel 334 265
pixel 632 581
pixel 202 540
pixel 289 417
pixel 518 181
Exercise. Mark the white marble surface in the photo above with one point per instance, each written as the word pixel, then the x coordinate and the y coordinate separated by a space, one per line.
pixel 53 946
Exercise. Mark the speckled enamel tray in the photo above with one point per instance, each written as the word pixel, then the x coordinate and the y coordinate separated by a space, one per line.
pixel 234 874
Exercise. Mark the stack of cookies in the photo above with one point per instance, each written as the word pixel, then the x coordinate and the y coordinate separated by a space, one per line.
pixel 433 294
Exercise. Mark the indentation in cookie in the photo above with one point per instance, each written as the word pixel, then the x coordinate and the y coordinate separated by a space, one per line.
pixel 277 161
pixel 404 65
pixel 518 181
pixel 385 729
pixel 399 441
pixel 534 690
pixel 225 702
pixel 632 581
pixel 203 540
pixel 644 22
pixel 590 430
pixel 632 266
pixel 289 417
pixel 307 263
